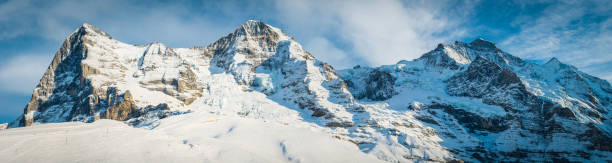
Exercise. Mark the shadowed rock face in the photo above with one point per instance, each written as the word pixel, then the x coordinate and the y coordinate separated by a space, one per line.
pixel 474 122
pixel 439 58
pixel 475 80
pixel 65 63
pixel 487 80
pixel 374 84
pixel 380 85
pixel 483 45
pixel 500 86
pixel 255 40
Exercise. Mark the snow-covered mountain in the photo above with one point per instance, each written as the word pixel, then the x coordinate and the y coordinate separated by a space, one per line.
pixel 459 102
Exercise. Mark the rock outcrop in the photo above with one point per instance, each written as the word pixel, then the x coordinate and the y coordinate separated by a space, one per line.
pixel 490 82
pixel 375 84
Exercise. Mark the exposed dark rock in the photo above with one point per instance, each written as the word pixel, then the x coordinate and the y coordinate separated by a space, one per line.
pixel 599 140
pixel 340 124
pixel 473 121
pixel 483 45
pixel 494 84
pixel 264 36
pixel 427 120
pixel 454 161
pixel 377 85
pixel 474 82
pixel 121 108
pixel 66 63
pixel 564 112
pixel 319 113
pixel 439 58
pixel 380 85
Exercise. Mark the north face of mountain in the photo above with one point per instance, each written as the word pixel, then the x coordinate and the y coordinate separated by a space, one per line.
pixel 66 91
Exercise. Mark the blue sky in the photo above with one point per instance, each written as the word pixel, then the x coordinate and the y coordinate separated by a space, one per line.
pixel 342 33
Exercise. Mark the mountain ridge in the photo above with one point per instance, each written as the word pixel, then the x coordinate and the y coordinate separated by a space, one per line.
pixel 460 101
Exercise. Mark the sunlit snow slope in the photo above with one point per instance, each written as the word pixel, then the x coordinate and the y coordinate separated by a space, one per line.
pixel 184 138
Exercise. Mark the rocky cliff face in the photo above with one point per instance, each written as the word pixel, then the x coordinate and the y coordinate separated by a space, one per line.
pixel 460 101
pixel 490 82
pixel 81 82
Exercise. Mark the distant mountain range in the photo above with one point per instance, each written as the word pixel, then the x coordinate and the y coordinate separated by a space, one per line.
pixel 459 102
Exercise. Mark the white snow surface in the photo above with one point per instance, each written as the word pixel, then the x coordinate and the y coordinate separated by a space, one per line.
pixel 195 137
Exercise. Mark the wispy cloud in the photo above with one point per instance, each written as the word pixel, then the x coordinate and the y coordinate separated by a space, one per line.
pixel 343 33
pixel 130 21
pixel 576 32
pixel 21 73
pixel 378 33
pixel 369 32
pixel 331 53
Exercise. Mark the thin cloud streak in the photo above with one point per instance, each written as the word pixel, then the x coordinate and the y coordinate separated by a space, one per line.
pixel 21 73
pixel 339 32
pixel 378 33
pixel 576 32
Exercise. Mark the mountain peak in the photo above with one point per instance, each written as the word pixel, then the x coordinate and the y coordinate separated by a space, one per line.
pixel 86 28
pixel 254 28
pixel 554 63
pixel 482 44
pixel 87 25
pixel 254 23
pixel 481 40
pixel 553 60
pixel 156 48
pixel 440 47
